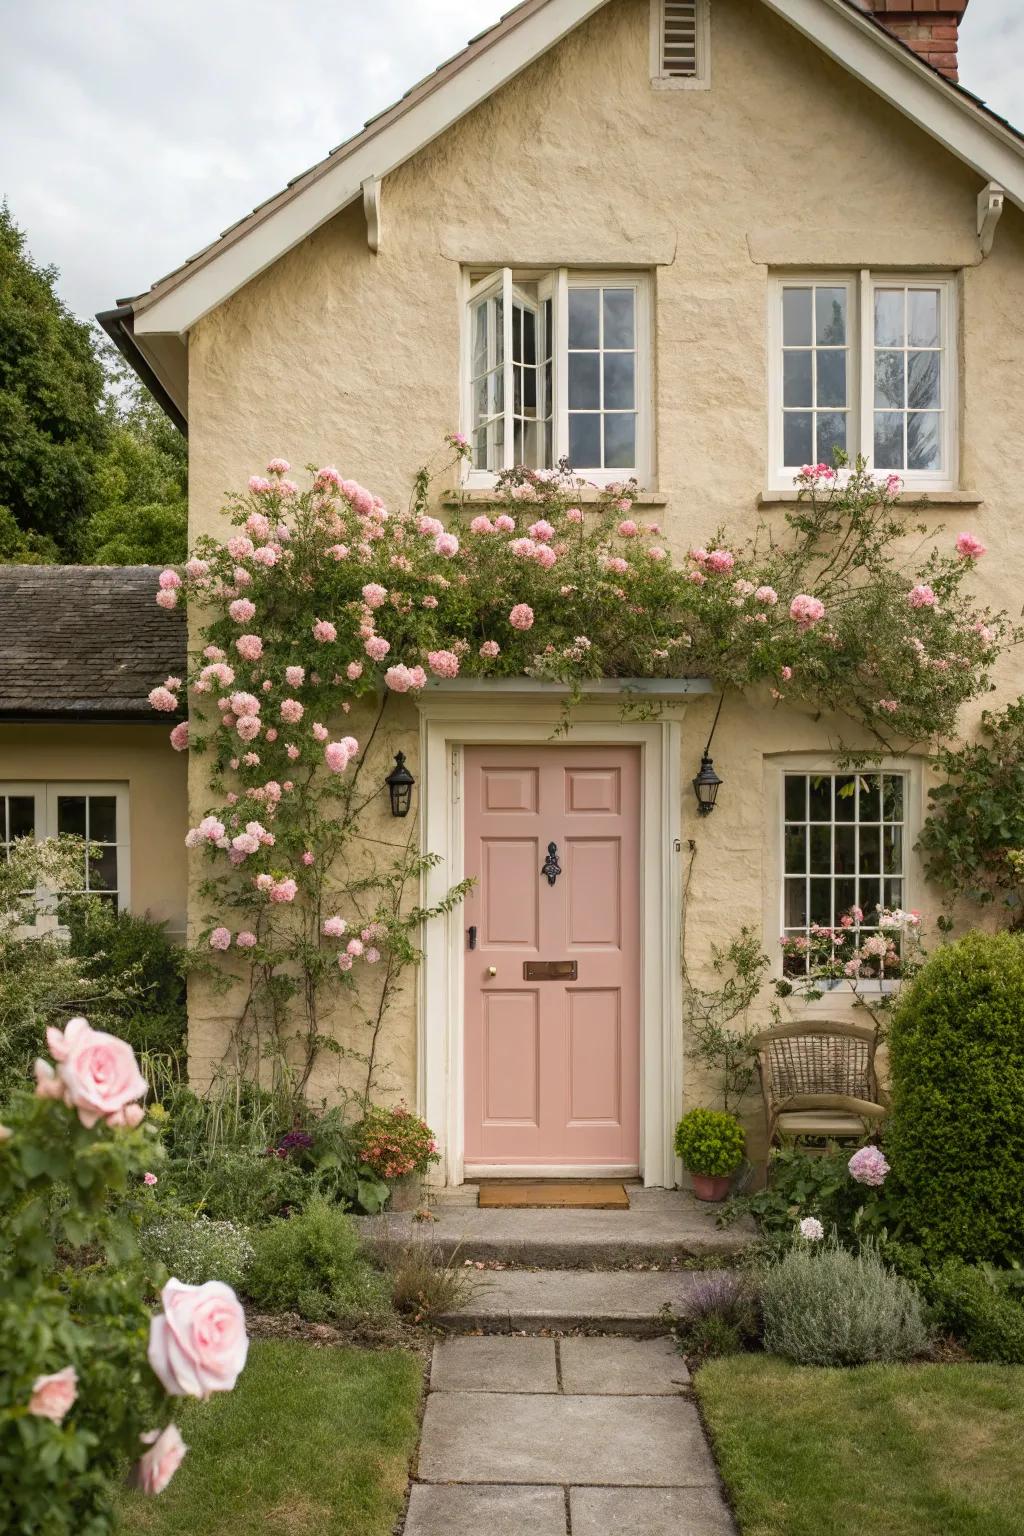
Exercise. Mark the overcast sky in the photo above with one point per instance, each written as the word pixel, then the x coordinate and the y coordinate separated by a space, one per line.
pixel 133 131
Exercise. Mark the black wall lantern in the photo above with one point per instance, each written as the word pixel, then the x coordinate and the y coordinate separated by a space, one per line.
pixel 400 782
pixel 706 786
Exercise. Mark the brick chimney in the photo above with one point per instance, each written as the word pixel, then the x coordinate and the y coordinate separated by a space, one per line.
pixel 930 27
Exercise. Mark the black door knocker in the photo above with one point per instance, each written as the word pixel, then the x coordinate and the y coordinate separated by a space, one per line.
pixel 551 867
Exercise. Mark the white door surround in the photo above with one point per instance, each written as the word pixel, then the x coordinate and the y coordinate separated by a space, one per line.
pixel 455 716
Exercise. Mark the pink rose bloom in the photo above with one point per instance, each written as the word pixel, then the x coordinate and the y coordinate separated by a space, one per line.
pixel 344 962
pixel 968 547
pixel 258 525
pixel 53 1396
pixel 376 647
pixel 398 679
pixel 371 956
pixel 984 634
pixel 295 676
pixel 806 610
pixel 374 595
pixel 443 663
pixel 242 610
pixel 284 890
pixel 149 1179
pixel 921 596
pixel 213 653
pixel 320 732
pixel 220 938
pixel 327 476
pixel 167 598
pixel 354 947
pixel 541 530
pixel 574 515
pixel 446 544
pixel 294 753
pixel 99 1073
pixel 179 736
pixel 490 649
pixel 263 882
pixel 545 557
pixel 197 568
pixel 521 616
pixel 868 1165
pixel 617 565
pixel 786 674
pixel 155 1468
pixel 163 699
pixel 720 560
pixel 271 735
pixel 889 705
pixel 278 467
pixel 48 1084
pixel 324 631
pixel 523 549
pixel 334 927
pixel 291 711
pixel 657 553
pixel 336 756
pixel 240 547
pixel 430 527
pixel 481 525
pixel 168 580
pixel 505 524
pixel 628 529
pixel 767 595
pixel 198 1345
pixel 354 670
pixel 246 939
pixel 307 858
pixel 249 647
pixel 248 727
pixel 267 554
pixel 242 703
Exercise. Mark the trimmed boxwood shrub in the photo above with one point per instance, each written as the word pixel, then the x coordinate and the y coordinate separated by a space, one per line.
pixel 987 1322
pixel 956 1135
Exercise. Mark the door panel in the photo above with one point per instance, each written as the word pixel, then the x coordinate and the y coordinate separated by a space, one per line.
pixel 553 1066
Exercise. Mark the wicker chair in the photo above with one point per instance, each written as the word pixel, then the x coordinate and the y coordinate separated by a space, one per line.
pixel 818 1080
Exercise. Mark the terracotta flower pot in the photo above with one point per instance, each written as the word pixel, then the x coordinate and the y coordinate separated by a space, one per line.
pixel 407 1193
pixel 711 1186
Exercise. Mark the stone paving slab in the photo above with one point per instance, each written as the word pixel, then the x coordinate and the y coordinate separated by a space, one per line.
pixel 624 1367
pixel 494 1364
pixel 482 1511
pixel 608 1301
pixel 646 1442
pixel 650 1512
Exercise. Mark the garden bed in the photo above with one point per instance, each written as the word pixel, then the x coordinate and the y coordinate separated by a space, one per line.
pixel 911 1450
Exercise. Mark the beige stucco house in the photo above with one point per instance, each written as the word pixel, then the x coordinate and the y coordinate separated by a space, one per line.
pixel 697 181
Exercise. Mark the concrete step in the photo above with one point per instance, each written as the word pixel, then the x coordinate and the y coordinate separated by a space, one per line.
pixel 630 1302
pixel 660 1226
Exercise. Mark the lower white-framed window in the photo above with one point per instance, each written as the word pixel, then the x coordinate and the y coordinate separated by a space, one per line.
pixel 95 812
pixel 866 362
pixel 557 366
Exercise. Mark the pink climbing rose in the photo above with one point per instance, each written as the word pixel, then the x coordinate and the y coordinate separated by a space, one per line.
pixel 921 596
pixel 324 631
pixel 54 1396
pixel 521 616
pixel 99 1075
pixel 443 663
pixel 968 547
pixel 198 1344
pixel 155 1468
pixel 806 610
pixel 220 938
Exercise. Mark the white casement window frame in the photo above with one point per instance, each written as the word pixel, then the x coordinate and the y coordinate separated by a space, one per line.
pixel 861 285
pixel 554 283
pixel 774 894
pixel 700 81
pixel 45 794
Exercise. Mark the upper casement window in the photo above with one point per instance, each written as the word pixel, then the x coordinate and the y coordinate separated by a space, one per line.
pixel 557 366
pixel 868 364
pixel 681 44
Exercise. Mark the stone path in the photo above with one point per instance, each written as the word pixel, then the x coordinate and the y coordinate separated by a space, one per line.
pixel 583 1436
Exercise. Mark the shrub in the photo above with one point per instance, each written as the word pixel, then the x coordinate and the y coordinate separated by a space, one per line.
pixel 721 1317
pixel 819 1184
pixel 123 947
pixel 710 1141
pixel 244 1187
pixel 824 1306
pixel 956 1136
pixel 195 1249
pixel 424 1283
pixel 987 1322
pixel 311 1263
pixel 394 1142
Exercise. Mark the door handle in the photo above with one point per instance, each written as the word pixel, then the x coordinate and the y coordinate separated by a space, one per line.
pixel 471 936
pixel 492 970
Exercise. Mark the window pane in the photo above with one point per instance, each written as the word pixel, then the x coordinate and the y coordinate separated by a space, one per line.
pixel 923 379
pixel 892 850
pixel 923 317
pixel 102 819
pixel 830 316
pixel 584 317
pixel 796 797
pixel 796 903
pixel 831 377
pixel 923 440
pixel 103 870
pixel 796 378
pixel 889 379
pixel 480 338
pixel 888 440
pixel 870 850
pixel 499 331
pixel 869 896
pixel 517 441
pixel 796 317
pixel 21 816
pixel 846 797
pixel 585 442
pixel 845 896
pixel 831 435
pixel 796 850
pixel 893 893
pixel 821 850
pixel 892 797
pixel 846 856
pixel 821 902
pixel 619 326
pixel 529 336
pixel 620 440
pixel 870 797
pixel 797 437
pixel 584 381
pixel 71 815
pixel 889 317
pixel 619 372
pixel 820 798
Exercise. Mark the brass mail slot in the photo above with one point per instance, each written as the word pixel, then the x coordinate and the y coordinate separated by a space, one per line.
pixel 549 970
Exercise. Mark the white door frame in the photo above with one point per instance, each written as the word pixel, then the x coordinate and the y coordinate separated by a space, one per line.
pixel 455 718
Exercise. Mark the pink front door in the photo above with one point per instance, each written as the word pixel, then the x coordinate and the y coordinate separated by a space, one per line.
pixel 552 1065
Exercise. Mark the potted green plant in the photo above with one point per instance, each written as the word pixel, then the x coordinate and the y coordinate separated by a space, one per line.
pixel 398 1147
pixel 710 1143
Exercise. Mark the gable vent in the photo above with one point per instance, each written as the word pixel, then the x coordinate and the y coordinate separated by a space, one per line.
pixel 679 42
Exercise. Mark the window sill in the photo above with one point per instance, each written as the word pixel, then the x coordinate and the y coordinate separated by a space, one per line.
pixel 454 497
pixel 905 498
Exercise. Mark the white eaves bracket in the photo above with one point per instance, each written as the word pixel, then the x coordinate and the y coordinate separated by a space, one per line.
pixel 990 209
pixel 371 208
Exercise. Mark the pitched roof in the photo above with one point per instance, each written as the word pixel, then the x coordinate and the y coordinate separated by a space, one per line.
pixel 151 328
pixel 85 641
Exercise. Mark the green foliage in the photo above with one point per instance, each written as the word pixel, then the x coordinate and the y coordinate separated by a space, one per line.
pixel 987 1320
pixel 714 1037
pixel 722 1315
pixel 423 1282
pixel 141 516
pixel 136 954
pixel 710 1141
pixel 59 1306
pixel 973 836
pixel 956 1133
pixel 822 1305
pixel 312 1263
pixel 196 1249
pixel 801 1184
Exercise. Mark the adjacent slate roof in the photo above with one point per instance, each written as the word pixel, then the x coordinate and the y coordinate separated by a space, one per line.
pixel 85 641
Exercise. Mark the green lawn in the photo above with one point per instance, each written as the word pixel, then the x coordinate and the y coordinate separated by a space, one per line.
pixel 312 1442
pixel 926 1450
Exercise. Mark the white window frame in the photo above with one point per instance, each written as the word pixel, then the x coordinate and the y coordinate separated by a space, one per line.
pixel 554 283
pixel 45 794
pixel 701 81
pixel 861 285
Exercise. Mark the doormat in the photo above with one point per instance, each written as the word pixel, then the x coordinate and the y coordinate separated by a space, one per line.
pixel 580 1196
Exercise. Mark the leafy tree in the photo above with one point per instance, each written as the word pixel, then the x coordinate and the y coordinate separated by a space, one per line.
pixel 52 426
